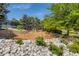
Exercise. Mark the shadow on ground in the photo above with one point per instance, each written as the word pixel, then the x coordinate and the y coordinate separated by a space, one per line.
pixel 6 34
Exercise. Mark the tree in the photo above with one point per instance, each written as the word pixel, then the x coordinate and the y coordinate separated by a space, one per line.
pixel 47 23
pixel 3 12
pixel 35 24
pixel 66 13
pixel 26 22
pixel 30 23
pixel 14 22
pixel 38 24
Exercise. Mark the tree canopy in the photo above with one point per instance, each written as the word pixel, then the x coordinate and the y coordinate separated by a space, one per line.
pixel 64 15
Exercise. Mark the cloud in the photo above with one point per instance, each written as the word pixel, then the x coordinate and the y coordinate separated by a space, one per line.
pixel 21 6
pixel 41 14
pixel 38 14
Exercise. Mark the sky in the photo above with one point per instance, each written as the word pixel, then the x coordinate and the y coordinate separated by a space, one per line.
pixel 17 10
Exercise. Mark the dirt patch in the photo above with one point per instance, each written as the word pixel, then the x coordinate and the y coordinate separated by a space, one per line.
pixel 27 35
pixel 33 35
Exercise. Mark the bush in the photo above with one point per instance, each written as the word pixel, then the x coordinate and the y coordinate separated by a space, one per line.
pixel 74 47
pixel 65 36
pixel 55 49
pixel 61 48
pixel 40 41
pixel 57 31
pixel 19 27
pixel 19 41
pixel 64 41
pixel 76 41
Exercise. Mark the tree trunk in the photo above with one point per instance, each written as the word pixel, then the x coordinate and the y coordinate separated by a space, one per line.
pixel 55 27
pixel 67 33
pixel 0 25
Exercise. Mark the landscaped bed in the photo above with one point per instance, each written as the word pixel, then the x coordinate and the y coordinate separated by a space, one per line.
pixel 32 48
pixel 36 43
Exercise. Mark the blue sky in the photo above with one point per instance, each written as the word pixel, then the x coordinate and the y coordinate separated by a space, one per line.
pixel 17 10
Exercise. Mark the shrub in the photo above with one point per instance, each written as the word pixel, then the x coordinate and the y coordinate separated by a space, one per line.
pixel 19 27
pixel 74 47
pixel 55 49
pixel 57 31
pixel 76 41
pixel 40 41
pixel 65 36
pixel 64 41
pixel 61 50
pixel 19 41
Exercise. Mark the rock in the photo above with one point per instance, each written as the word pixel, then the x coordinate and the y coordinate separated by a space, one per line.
pixel 28 42
pixel 0 50
pixel 76 54
pixel 13 51
pixel 7 55
pixel 29 48
pixel 6 51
